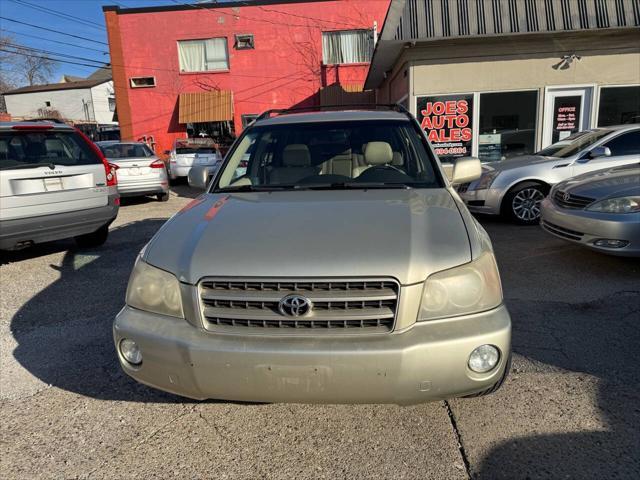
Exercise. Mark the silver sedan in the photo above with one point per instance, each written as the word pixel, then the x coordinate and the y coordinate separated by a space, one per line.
pixel 139 172
pixel 516 187
pixel 599 210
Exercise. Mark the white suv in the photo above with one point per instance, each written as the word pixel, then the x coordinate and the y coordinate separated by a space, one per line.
pixel 54 184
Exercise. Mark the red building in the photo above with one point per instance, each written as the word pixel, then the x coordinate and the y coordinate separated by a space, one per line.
pixel 208 69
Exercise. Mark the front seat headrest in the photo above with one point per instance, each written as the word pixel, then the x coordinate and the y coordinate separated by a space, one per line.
pixel 378 153
pixel 296 155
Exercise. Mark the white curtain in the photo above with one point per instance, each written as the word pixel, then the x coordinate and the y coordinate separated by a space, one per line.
pixel 216 54
pixel 348 46
pixel 191 54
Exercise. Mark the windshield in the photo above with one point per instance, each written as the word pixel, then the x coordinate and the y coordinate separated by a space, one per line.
pixel 383 154
pixel 26 149
pixel 126 150
pixel 573 143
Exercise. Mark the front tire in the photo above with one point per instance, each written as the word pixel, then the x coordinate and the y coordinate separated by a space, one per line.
pixel 94 239
pixel 522 203
pixel 163 197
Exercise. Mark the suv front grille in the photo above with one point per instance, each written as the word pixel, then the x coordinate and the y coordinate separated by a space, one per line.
pixel 571 201
pixel 344 306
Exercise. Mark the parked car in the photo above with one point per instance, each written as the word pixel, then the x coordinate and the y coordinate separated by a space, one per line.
pixel 516 187
pixel 600 210
pixel 183 155
pixel 54 184
pixel 203 169
pixel 140 171
pixel 290 282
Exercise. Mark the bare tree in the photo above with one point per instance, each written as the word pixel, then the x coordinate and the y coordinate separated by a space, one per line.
pixel 22 65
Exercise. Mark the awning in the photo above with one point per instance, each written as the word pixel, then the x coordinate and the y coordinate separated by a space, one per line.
pixel 215 106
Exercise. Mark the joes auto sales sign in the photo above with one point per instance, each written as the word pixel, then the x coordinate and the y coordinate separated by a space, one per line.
pixel 446 119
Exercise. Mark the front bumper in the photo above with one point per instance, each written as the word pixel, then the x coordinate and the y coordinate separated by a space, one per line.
pixel 485 201
pixel 425 362
pixel 584 227
pixel 47 228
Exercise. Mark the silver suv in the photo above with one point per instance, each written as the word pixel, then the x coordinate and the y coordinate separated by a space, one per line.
pixel 329 261
pixel 54 184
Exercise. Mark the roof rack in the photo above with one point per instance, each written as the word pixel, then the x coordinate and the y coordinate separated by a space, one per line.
pixel 364 106
pixel 52 120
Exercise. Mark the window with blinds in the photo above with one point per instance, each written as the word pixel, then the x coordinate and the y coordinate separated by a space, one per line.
pixel 347 46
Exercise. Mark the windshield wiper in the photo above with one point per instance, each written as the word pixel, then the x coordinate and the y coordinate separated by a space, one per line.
pixel 353 186
pixel 51 165
pixel 254 188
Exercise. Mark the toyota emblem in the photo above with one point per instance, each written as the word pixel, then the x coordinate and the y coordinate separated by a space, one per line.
pixel 566 197
pixel 295 306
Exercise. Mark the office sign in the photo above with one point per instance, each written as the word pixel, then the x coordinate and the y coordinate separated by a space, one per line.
pixel 447 119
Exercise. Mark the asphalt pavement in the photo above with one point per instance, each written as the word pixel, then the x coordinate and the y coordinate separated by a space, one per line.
pixel 570 408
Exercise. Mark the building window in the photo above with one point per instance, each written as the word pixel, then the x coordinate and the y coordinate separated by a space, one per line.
pixel 248 118
pixel 203 55
pixel 619 105
pixel 347 46
pixel 507 125
pixel 244 42
pixel 47 104
pixel 142 82
pixel 112 104
pixel 447 122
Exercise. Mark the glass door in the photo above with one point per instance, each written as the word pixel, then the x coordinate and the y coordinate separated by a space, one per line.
pixel 566 111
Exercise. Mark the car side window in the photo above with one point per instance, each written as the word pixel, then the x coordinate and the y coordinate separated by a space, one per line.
pixel 625 144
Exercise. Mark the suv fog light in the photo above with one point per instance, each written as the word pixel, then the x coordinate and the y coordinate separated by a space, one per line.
pixel 484 358
pixel 130 351
pixel 609 243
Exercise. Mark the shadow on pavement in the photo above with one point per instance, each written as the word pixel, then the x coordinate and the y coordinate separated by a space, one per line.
pixel 598 337
pixel 64 332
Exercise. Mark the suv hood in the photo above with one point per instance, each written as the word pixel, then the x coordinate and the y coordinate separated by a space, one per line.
pixel 405 234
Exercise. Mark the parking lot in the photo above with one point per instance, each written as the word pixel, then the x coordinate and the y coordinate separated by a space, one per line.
pixel 570 408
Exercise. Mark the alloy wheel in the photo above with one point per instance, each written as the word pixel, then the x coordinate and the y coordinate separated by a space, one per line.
pixel 526 204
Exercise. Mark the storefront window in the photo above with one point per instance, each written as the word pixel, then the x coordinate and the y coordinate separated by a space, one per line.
pixel 619 105
pixel 507 125
pixel 446 119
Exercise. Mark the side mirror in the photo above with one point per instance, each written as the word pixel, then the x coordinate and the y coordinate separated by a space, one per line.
pixel 201 182
pixel 599 152
pixel 465 170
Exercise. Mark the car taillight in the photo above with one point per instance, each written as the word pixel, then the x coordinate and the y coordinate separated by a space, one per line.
pixel 109 168
pixel 157 164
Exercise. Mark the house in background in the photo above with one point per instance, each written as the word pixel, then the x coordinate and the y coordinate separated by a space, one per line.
pixel 209 69
pixel 88 103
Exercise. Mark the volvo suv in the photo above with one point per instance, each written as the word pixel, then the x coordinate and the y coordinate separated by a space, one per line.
pixel 54 184
pixel 338 265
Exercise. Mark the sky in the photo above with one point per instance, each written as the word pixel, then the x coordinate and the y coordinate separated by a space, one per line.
pixel 57 18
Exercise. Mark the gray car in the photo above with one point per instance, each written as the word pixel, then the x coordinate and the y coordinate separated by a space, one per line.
pixel 599 210
pixel 54 184
pixel 516 187
pixel 330 261
pixel 140 171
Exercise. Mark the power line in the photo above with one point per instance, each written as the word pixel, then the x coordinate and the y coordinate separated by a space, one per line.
pixel 49 58
pixel 66 16
pixel 53 31
pixel 49 52
pixel 54 41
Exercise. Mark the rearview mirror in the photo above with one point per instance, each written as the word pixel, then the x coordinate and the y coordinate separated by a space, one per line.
pixel 465 170
pixel 599 152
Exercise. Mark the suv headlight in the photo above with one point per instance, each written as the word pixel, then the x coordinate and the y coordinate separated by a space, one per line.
pixel 616 205
pixel 470 288
pixel 154 290
pixel 485 181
